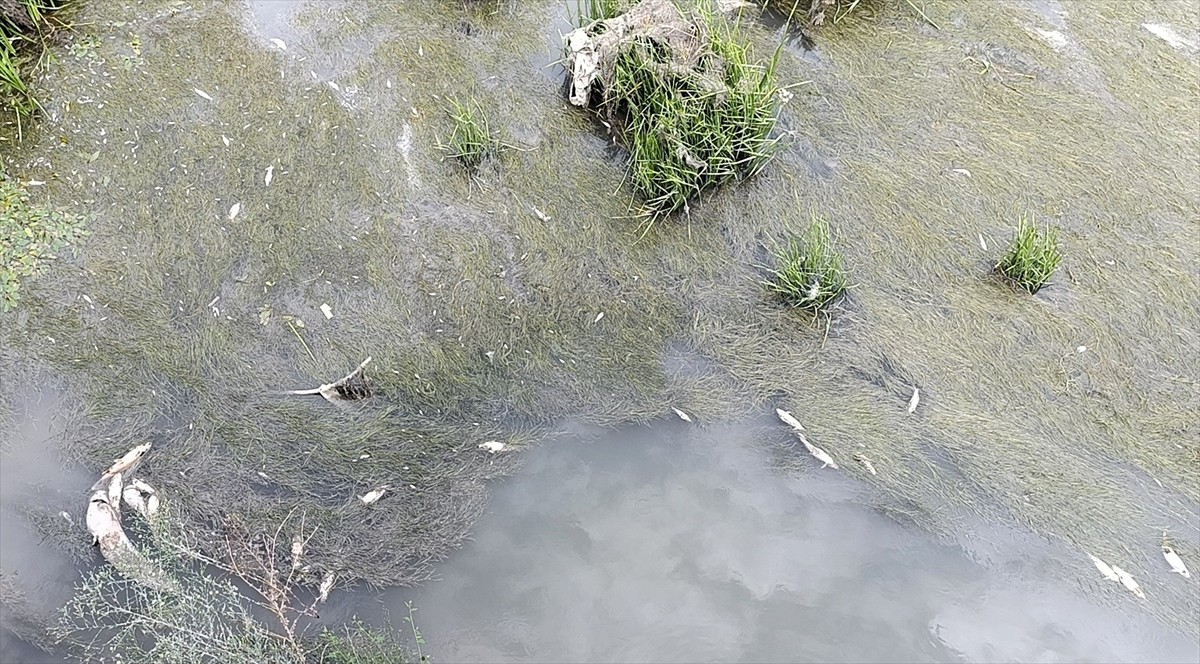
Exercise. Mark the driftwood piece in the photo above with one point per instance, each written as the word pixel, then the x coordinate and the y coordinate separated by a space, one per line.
pixel 351 387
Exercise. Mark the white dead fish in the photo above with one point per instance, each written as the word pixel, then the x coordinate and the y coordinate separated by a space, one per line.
pixel 297 550
pixel 1105 570
pixel 115 486
pixel 916 399
pixel 787 419
pixel 961 171
pixel 327 310
pixel 1127 580
pixel 822 456
pixel 373 496
pixel 1176 562
pixel 682 415
pixel 351 387
pixel 866 463
pixel 279 43
pixel 128 461
pixel 143 486
pixel 202 93
pixel 67 517
pixel 326 586
pixel 269 176
pixel 133 498
pixel 540 215
pixel 234 210
pixel 493 446
pixel 598 317
pixel 101 519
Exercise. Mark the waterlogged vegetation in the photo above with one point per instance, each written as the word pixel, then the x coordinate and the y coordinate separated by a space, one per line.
pixel 1032 257
pixel 31 235
pixel 26 26
pixel 472 139
pixel 679 88
pixel 808 272
pixel 487 322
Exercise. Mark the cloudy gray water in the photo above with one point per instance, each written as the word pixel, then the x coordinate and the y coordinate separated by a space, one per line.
pixel 687 544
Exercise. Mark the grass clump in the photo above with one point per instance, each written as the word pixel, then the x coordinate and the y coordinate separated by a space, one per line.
pixel 680 90
pixel 808 272
pixel 25 29
pixel 472 139
pixel 1032 257
pixel 588 11
pixel 29 236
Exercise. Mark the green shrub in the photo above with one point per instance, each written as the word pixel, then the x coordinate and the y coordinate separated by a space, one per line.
pixel 1032 257
pixel 808 272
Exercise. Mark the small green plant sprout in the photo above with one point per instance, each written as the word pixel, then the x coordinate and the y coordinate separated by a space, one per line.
pixel 1032 258
pixel 808 271
pixel 472 139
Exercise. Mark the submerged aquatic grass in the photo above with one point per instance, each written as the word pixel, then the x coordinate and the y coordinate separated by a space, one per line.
pixel 472 139
pixel 1032 257
pixel 808 273
pixel 694 112
pixel 29 236
pixel 25 27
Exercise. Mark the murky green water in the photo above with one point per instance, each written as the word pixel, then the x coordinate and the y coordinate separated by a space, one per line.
pixel 919 146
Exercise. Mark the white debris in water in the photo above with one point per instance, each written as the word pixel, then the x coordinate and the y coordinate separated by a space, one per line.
pixel 327 310
pixel 404 144
pixel 67 517
pixel 785 95
pixel 269 176
pixel 540 215
pixel 233 211
pixel 1168 34
pixel 982 242
pixel 866 463
pixel 598 317
pixel 916 399
pixel 373 496
pixel 682 415
pixel 202 93
pixel 789 420
pixel 35 183
pixel 1105 570
pixel 961 171
pixel 334 85
pixel 493 446
pixel 279 43
pixel 1081 349
pixel 326 586
pixel 225 140
pixel 1176 562
pixel 1056 39
pixel 1128 581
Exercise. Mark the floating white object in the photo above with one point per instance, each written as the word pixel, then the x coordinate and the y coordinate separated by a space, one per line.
pixel 373 496
pixel 1168 34
pixel 982 243
pixel 682 415
pixel 1176 562
pixel 866 463
pixel 1105 570
pixel 820 454
pixel 269 176
pixel 233 211
pixel 327 310
pixel 1128 581
pixel 787 419
pixel 1081 349
pixel 916 399
pixel 202 93
pixel 493 446
pixel 326 586
pixel 541 215
pixel 279 43
pixel 225 140
pixel 961 171
pixel 598 317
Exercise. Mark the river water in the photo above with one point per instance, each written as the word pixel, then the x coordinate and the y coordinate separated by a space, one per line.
pixel 1049 427
pixel 680 543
